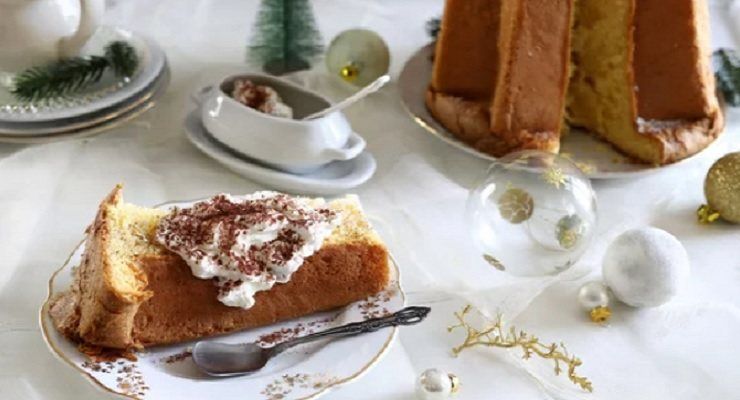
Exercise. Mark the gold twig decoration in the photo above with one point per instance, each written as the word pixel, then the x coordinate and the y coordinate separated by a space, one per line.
pixel 496 335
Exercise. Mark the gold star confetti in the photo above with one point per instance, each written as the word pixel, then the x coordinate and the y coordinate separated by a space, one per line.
pixel 495 335
pixel 554 176
pixel 494 262
pixel 585 167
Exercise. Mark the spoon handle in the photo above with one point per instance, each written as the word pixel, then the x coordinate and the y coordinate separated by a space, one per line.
pixel 359 95
pixel 408 316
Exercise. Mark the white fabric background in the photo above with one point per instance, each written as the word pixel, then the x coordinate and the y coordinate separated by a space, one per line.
pixel 683 350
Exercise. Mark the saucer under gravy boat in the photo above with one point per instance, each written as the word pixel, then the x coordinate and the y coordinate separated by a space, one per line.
pixel 292 145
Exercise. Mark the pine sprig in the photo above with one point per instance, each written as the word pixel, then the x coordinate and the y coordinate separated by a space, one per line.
pixel 727 65
pixel 71 75
pixel 122 58
pixel 433 26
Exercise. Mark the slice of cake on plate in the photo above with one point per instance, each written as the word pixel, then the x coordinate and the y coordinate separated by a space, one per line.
pixel 501 72
pixel 150 277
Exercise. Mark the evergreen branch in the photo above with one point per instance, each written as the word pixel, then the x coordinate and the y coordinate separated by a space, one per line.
pixel 122 58
pixel 433 26
pixel 71 75
pixel 727 65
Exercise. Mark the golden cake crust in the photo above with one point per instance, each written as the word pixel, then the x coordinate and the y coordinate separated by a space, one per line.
pixel 677 140
pixel 185 308
pixel 469 120
pixel 501 72
pixel 105 314
pixel 167 304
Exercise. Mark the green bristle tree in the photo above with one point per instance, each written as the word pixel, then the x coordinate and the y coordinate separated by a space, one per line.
pixel 285 38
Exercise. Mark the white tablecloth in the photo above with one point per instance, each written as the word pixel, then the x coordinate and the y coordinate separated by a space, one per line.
pixel 686 349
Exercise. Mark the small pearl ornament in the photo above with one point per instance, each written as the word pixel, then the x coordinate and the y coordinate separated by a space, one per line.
pixel 594 298
pixel 645 267
pixel 435 384
pixel 593 294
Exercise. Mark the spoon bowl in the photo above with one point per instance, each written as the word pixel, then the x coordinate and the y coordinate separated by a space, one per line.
pixel 223 359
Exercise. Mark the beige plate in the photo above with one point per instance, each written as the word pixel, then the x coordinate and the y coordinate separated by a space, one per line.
pixel 597 159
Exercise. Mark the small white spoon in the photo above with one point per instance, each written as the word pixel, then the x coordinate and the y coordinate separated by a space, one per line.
pixel 369 89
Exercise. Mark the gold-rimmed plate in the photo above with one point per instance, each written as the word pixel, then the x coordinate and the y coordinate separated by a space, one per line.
pixel 306 372
pixel 100 122
pixel 104 94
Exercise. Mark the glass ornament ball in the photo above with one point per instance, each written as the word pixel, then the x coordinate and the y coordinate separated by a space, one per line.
pixel 358 56
pixel 533 214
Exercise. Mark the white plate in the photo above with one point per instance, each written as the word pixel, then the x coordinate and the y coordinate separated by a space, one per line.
pixel 305 372
pixel 596 158
pixel 103 122
pixel 106 93
pixel 335 177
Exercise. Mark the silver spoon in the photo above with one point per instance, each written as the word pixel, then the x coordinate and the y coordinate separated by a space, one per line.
pixel 374 86
pixel 222 359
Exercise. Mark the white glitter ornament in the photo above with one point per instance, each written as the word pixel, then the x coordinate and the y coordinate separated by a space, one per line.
pixel 645 267
pixel 435 384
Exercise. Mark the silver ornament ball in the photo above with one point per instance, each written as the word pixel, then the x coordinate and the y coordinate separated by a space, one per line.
pixel 593 294
pixel 435 384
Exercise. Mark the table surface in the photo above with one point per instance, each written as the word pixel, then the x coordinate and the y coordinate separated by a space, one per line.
pixel 683 350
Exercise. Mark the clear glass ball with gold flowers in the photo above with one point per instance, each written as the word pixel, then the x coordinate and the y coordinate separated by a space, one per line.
pixel 533 214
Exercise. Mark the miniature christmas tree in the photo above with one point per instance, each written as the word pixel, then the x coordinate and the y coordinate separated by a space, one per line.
pixel 285 38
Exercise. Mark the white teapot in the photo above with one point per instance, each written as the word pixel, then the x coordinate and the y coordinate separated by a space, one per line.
pixel 35 32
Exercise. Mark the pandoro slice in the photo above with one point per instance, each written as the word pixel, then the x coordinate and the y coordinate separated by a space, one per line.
pixel 501 73
pixel 642 78
pixel 130 292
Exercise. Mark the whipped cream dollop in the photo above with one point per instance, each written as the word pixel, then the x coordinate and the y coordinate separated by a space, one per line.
pixel 247 243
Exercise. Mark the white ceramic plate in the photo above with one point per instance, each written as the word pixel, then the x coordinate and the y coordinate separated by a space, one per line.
pixel 596 158
pixel 335 177
pixel 305 372
pixel 102 121
pixel 106 93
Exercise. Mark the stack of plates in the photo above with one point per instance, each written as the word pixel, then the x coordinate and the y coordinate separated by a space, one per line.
pixel 102 106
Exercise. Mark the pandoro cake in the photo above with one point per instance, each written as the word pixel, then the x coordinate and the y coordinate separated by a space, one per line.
pixel 512 75
pixel 151 277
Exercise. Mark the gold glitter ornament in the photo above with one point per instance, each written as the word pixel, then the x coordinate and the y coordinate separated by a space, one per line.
pixel 722 190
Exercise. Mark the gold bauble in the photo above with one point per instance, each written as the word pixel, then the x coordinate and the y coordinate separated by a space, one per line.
pixel 722 187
